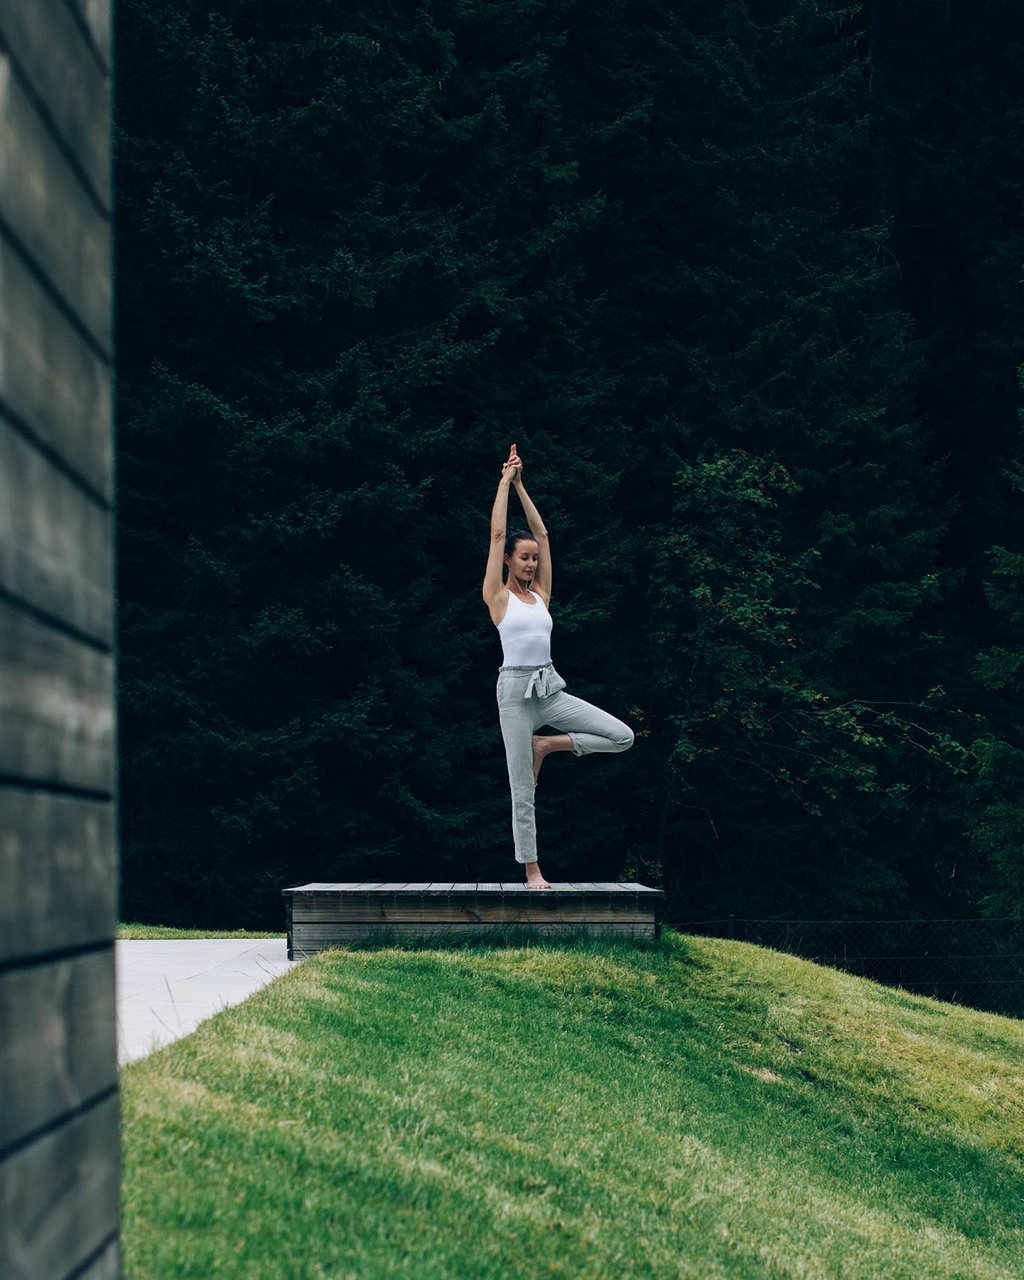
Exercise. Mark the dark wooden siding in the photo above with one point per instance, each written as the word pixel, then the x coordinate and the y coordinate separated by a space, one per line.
pixel 58 865
pixel 334 915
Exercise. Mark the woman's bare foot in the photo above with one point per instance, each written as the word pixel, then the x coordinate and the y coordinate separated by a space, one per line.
pixel 543 744
pixel 534 879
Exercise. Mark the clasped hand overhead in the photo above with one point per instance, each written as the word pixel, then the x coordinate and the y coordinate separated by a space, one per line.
pixel 512 467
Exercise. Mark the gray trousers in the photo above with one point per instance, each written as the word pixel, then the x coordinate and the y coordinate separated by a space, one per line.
pixel 529 697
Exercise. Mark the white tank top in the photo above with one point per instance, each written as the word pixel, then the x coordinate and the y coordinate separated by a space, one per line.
pixel 525 633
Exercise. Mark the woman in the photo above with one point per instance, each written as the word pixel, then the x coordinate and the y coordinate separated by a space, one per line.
pixel 530 690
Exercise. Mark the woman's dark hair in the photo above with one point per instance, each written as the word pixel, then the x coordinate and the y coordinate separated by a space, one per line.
pixel 520 535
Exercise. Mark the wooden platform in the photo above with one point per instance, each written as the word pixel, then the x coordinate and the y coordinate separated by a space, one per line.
pixel 333 915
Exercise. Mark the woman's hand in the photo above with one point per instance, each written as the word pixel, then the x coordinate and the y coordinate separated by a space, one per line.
pixel 512 467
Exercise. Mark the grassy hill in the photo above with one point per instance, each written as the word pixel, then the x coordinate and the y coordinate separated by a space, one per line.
pixel 698 1108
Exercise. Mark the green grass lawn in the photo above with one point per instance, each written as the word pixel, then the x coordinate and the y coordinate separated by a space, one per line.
pixel 156 931
pixel 698 1108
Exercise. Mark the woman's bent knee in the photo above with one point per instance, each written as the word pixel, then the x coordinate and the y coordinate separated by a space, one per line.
pixel 624 740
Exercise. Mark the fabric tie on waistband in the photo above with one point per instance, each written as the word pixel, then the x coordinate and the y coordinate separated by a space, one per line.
pixel 540 680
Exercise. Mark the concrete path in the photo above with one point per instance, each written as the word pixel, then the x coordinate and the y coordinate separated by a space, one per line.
pixel 165 989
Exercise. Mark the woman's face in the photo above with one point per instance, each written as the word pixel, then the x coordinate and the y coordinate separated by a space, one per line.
pixel 523 561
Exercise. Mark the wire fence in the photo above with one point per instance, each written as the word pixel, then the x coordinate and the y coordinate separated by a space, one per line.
pixel 979 963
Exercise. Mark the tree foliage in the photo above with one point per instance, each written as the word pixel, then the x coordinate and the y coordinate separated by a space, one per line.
pixel 678 252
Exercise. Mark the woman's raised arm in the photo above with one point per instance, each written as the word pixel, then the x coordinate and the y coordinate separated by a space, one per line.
pixel 495 592
pixel 542 578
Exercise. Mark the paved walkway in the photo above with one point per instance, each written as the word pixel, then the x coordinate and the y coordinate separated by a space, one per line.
pixel 165 989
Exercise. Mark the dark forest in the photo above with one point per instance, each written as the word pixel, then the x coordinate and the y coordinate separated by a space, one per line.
pixel 743 280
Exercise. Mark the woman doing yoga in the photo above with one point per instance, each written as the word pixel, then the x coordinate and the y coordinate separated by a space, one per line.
pixel 517 591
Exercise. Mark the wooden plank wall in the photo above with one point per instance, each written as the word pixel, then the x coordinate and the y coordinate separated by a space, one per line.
pixel 323 915
pixel 59 1165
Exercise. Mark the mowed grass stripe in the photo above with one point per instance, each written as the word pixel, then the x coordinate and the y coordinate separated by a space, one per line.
pixel 696 1108
pixel 157 932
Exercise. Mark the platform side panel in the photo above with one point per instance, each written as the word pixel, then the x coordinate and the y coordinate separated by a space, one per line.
pixel 308 940
pixel 469 913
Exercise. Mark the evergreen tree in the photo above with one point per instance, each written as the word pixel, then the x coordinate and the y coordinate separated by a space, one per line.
pixel 688 257
pixel 949 114
pixel 794 559
pixel 348 277
pixel 997 820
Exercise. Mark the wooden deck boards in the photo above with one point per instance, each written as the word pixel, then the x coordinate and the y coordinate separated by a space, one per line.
pixel 323 914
